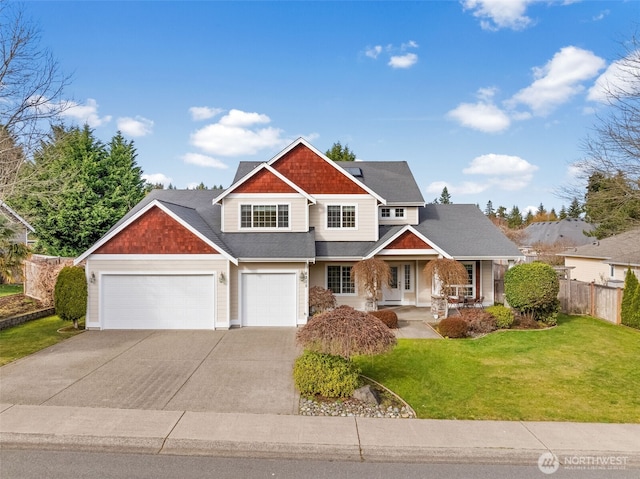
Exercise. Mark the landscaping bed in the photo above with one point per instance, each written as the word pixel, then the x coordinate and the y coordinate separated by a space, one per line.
pixel 16 304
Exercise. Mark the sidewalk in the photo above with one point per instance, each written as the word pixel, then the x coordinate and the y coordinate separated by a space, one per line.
pixel 290 436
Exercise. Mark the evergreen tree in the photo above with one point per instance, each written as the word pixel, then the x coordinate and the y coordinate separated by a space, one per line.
pixel 529 218
pixel 563 213
pixel 489 211
pixel 91 186
pixel 575 209
pixel 552 215
pixel 514 219
pixel 501 212
pixel 628 297
pixel 339 153
pixel 445 197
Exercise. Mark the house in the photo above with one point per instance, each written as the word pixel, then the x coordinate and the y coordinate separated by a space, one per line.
pixel 605 261
pixel 23 228
pixel 247 255
pixel 567 232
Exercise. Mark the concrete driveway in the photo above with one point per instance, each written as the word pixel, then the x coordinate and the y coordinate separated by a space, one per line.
pixel 247 370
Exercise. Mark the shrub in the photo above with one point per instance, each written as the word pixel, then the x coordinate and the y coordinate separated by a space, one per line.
pixel 504 316
pixel 325 374
pixel 629 298
pixel 453 327
pixel 346 332
pixel 320 299
pixel 70 294
pixel 634 319
pixel 533 288
pixel 478 321
pixel 388 317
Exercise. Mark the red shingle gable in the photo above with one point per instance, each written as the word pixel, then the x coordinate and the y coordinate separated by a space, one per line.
pixel 264 182
pixel 311 173
pixel 155 232
pixel 408 240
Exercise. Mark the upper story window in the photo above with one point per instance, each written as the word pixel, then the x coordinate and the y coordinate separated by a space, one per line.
pixel 264 216
pixel 341 216
pixel 391 212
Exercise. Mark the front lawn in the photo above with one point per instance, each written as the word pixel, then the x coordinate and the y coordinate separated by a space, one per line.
pixel 583 370
pixel 27 338
pixel 8 289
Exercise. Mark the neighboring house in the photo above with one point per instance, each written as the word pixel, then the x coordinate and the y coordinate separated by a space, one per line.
pixel 23 228
pixel 605 261
pixel 569 232
pixel 247 256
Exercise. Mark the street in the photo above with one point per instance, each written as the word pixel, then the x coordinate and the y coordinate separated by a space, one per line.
pixel 38 464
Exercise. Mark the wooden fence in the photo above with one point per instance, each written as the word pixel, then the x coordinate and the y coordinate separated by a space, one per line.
pixel 596 300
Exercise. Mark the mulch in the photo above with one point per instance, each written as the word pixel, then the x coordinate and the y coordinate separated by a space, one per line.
pixel 15 304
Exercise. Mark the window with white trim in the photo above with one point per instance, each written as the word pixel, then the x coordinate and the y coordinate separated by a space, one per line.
pixel 341 216
pixel 389 213
pixel 468 289
pixel 339 279
pixel 264 216
pixel 407 277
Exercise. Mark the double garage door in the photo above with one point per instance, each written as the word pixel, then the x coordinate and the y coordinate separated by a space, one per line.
pixel 187 301
pixel 158 301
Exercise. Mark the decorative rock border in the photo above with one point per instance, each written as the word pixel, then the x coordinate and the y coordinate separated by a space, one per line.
pixel 24 318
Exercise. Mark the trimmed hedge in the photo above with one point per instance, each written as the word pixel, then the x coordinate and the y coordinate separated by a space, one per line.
pixel 478 321
pixel 532 288
pixel 325 374
pixel 388 317
pixel 70 293
pixel 630 310
pixel 453 327
pixel 504 316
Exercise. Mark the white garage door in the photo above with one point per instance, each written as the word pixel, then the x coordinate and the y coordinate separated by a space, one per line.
pixel 157 301
pixel 269 299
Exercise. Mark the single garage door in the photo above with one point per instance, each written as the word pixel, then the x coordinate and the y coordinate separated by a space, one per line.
pixel 150 301
pixel 268 299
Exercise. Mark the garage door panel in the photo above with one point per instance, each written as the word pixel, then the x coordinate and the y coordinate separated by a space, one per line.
pixel 269 299
pixel 158 301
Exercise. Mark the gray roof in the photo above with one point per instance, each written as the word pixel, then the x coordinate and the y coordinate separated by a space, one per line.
pixel 570 231
pixel 300 246
pixel 463 231
pixel 343 249
pixel 623 249
pixel 392 180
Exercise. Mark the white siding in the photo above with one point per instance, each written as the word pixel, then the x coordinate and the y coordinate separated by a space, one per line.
pixel 366 218
pixel 410 216
pixel 297 211
pixel 589 270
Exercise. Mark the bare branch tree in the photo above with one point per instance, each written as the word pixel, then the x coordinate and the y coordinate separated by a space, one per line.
pixel 610 168
pixel 31 86
pixel 370 275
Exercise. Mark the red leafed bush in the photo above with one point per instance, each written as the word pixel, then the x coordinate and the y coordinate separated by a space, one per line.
pixel 453 327
pixel 387 316
pixel 321 299
pixel 478 321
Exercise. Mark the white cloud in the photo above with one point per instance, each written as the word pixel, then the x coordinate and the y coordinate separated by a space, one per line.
pixel 403 61
pixel 616 79
pixel 157 178
pixel 497 14
pixel 493 164
pixel 199 113
pixel 203 160
pixel 85 114
pixel 464 188
pixel 373 52
pixel 559 80
pixel 482 116
pixel 409 44
pixel 238 133
pixel 601 15
pixel 138 126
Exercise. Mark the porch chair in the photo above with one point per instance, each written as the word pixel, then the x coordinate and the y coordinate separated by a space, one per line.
pixel 478 302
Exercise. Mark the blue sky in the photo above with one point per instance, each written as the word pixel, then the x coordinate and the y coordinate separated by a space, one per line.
pixel 491 98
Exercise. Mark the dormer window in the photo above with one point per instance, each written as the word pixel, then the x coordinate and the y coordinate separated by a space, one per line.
pixel 264 216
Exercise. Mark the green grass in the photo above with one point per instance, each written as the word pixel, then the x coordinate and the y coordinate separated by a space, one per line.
pixel 27 338
pixel 583 370
pixel 9 289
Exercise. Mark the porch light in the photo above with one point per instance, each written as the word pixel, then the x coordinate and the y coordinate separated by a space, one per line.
pixel 222 279
pixel 93 277
pixel 303 276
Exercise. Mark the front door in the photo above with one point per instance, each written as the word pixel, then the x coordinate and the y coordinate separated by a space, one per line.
pixel 393 292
